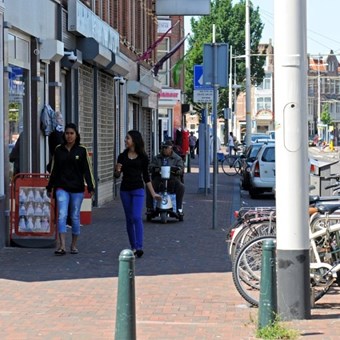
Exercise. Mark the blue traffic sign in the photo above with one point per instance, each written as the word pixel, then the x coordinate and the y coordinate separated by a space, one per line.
pixel 198 79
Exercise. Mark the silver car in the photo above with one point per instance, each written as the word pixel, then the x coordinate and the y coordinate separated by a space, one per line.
pixel 262 173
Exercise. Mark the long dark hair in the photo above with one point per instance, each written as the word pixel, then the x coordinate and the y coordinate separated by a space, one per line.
pixel 73 127
pixel 137 141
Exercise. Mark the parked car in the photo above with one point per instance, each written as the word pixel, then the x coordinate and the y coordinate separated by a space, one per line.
pixel 249 157
pixel 255 137
pixel 271 134
pixel 262 173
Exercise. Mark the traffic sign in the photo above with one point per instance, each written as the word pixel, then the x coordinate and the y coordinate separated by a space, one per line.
pixel 198 78
pixel 203 96
pixel 215 74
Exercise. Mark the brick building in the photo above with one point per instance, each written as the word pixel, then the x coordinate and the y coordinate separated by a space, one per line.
pixel 170 98
pixel 80 58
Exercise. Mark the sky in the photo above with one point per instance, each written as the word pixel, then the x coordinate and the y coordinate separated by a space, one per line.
pixel 323 33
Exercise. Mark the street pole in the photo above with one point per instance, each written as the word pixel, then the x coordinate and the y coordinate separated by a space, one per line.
pixel 291 159
pixel 215 94
pixel 230 93
pixel 248 87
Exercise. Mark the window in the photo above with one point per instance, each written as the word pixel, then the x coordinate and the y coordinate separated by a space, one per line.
pixel 163 49
pixel 337 107
pixel 264 103
pixel 266 83
pixel 337 86
pixel 268 155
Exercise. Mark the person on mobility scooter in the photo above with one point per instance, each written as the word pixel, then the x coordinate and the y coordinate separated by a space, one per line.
pixel 164 184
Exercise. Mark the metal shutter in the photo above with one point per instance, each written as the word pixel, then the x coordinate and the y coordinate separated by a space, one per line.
pixel 106 136
pixel 86 106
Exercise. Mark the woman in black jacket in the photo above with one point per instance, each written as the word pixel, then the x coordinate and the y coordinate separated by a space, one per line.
pixel 70 166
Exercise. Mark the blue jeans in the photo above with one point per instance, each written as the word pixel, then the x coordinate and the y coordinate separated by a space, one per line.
pixel 64 199
pixel 133 202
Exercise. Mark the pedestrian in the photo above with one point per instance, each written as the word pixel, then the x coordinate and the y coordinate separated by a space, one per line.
pixel 192 144
pixel 70 166
pixel 167 156
pixel 133 163
pixel 211 147
pixel 15 155
pixel 231 143
pixel 55 138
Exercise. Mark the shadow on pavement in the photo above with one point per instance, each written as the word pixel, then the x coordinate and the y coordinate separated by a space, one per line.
pixel 184 247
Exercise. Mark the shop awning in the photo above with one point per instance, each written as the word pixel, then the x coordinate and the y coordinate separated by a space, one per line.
pixel 93 52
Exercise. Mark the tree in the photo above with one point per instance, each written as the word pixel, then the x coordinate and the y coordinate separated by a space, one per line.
pixel 325 115
pixel 230 27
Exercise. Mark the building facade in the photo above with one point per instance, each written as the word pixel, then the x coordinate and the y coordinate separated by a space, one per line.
pixel 324 96
pixel 79 58
pixel 262 99
pixel 170 100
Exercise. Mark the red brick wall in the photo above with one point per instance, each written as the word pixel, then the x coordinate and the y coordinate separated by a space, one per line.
pixel 135 21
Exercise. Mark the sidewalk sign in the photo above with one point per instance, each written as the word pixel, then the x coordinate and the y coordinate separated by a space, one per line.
pixel 32 212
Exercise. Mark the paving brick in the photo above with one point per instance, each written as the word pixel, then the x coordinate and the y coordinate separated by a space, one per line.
pixel 184 288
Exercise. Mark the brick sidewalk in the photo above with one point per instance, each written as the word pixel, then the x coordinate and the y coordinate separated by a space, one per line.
pixel 184 288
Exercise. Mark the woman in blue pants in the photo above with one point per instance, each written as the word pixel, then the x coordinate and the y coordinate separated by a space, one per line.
pixel 133 163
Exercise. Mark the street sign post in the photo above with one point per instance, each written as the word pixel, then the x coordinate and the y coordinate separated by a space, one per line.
pixel 202 93
pixel 203 96
pixel 215 73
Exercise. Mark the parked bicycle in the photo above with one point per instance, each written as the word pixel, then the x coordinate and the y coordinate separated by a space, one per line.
pixel 324 256
pixel 231 164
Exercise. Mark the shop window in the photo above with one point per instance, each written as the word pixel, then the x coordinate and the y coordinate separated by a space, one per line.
pixel 22 49
pixel 18 140
pixel 11 46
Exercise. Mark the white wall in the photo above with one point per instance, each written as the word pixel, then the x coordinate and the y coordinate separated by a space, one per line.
pixel 33 17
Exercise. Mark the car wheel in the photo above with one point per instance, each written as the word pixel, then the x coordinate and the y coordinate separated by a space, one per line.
pixel 253 192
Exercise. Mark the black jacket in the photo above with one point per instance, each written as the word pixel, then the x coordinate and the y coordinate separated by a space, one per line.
pixel 70 168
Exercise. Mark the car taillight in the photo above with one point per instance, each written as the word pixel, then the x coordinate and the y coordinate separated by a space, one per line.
pixel 236 213
pixel 257 169
pixel 312 169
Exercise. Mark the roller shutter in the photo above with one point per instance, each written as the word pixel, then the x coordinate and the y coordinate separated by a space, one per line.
pixel 106 136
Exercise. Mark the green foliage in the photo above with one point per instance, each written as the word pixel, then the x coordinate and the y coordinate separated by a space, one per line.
pixel 230 27
pixel 13 112
pixel 277 331
pixel 325 115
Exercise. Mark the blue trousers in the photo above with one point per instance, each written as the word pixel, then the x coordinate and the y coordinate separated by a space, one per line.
pixel 133 202
pixel 64 199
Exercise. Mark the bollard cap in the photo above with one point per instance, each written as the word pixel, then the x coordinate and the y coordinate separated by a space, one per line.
pixel 126 255
pixel 268 244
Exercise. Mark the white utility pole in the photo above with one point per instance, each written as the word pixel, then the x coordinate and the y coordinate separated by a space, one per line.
pixel 248 85
pixel 293 282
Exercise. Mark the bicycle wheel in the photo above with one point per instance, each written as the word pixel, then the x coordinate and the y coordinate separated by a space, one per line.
pixel 247 269
pixel 238 166
pixel 249 232
pixel 227 165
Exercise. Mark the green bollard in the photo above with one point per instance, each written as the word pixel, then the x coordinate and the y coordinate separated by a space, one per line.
pixel 268 298
pixel 126 309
